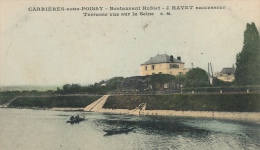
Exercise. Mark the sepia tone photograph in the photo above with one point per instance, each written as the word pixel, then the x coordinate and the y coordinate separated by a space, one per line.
pixel 133 75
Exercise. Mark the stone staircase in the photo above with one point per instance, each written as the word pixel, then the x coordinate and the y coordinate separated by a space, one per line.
pixel 97 105
pixel 138 109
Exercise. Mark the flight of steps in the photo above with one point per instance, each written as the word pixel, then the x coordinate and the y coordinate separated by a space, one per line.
pixel 138 109
pixel 97 105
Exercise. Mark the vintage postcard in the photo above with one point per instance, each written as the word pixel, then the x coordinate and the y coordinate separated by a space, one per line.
pixel 112 74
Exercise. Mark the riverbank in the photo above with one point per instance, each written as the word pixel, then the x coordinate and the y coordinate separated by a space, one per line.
pixel 66 109
pixel 245 106
pixel 246 116
pixel 97 106
pixel 249 116
pixel 52 101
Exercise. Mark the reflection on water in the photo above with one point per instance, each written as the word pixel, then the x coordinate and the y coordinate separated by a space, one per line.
pixel 151 125
pixel 42 129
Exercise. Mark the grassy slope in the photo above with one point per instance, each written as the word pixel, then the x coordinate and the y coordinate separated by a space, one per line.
pixel 57 101
pixel 196 102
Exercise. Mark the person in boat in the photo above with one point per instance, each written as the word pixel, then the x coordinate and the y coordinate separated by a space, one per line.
pixel 72 118
pixel 77 117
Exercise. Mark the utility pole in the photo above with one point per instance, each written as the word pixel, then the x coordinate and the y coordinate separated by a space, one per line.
pixel 210 73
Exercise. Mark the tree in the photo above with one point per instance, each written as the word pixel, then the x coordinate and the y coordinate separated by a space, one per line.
pixel 196 77
pixel 180 78
pixel 66 88
pixel 248 60
pixel 219 83
pixel 114 82
pixel 73 88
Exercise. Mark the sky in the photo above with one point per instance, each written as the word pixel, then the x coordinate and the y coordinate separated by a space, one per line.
pixel 55 48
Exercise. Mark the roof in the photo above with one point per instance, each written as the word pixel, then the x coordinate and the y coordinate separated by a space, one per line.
pixel 228 70
pixel 161 58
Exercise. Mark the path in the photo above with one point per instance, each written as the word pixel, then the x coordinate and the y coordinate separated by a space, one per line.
pixel 97 105
pixel 5 105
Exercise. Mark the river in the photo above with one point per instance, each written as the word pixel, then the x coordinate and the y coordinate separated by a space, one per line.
pixel 26 129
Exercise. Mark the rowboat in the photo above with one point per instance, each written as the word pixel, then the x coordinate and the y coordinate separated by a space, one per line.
pixel 118 130
pixel 75 119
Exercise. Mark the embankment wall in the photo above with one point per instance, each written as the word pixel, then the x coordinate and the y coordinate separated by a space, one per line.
pixel 224 102
pixel 54 101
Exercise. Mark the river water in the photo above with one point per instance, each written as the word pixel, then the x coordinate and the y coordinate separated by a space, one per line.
pixel 25 129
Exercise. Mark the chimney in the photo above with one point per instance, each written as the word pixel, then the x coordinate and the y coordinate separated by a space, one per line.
pixel 179 58
pixel 171 58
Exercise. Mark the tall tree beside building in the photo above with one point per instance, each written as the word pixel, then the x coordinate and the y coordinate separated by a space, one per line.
pixel 248 60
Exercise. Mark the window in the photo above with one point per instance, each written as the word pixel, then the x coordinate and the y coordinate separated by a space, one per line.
pixel 174 66
pixel 180 73
pixel 145 67
pixel 152 67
